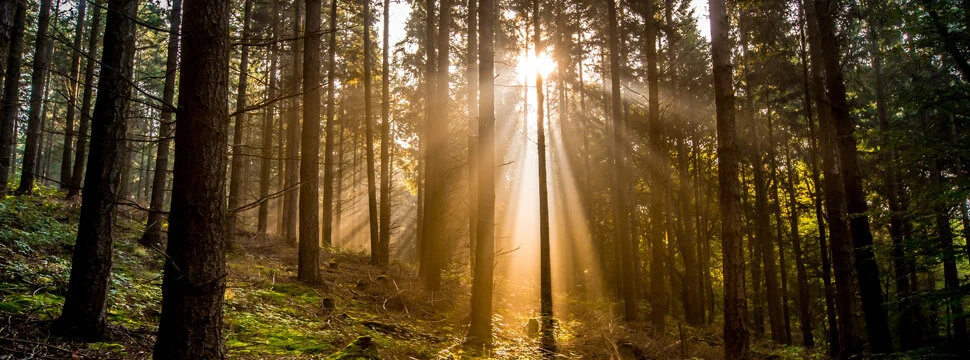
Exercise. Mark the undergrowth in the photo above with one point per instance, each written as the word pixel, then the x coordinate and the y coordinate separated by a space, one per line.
pixel 357 309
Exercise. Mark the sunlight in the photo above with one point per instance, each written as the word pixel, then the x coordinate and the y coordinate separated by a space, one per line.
pixel 528 64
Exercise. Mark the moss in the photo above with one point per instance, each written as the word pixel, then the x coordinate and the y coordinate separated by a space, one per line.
pixel 363 348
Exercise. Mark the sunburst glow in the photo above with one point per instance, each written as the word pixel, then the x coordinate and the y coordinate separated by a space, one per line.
pixel 529 64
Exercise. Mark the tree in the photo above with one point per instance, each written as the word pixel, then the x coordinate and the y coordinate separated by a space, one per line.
pixel 84 313
pixel 736 345
pixel 481 316
pixel 262 222
pixel 77 174
pixel 11 93
pixel 658 145
pixel 37 81
pixel 309 255
pixel 619 200
pixel 292 162
pixel 72 105
pixel 545 278
pixel 375 242
pixel 436 129
pixel 238 166
pixel 328 178
pixel 867 271
pixel 195 270
pixel 384 244
pixel 153 228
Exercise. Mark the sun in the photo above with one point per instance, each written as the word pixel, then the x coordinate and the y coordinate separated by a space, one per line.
pixel 529 64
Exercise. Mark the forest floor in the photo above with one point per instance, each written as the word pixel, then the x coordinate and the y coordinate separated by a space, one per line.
pixel 269 315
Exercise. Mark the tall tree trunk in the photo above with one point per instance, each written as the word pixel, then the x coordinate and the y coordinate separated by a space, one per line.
pixel 867 271
pixel 813 164
pixel 72 90
pixel 238 165
pixel 262 221
pixel 375 243
pixel 436 169
pixel 658 146
pixel 194 281
pixel 619 199
pixel 779 227
pixel 86 99
pixel 153 227
pixel 84 312
pixel 736 345
pixel 328 223
pixel 309 254
pixel 545 278
pixel 11 93
pixel 764 239
pixel 471 98
pixel 386 143
pixel 291 197
pixel 37 81
pixel 481 313
pixel 804 297
pixel 841 247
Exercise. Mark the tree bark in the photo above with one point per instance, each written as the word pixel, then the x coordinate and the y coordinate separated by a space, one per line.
pixel 262 221
pixel 238 166
pixel 153 227
pixel 328 179
pixel 291 197
pixel 481 313
pixel 384 243
pixel 617 149
pixel 37 81
pixel 436 170
pixel 11 93
pixel 867 271
pixel 372 214
pixel 93 40
pixel 84 312
pixel 736 345
pixel 194 280
pixel 309 254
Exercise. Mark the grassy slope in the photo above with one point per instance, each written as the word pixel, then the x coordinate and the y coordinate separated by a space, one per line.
pixel 268 314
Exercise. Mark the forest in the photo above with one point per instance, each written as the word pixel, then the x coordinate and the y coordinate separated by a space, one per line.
pixel 507 179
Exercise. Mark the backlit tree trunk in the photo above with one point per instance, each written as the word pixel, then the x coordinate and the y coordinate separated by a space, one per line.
pixel 72 105
pixel 11 93
pixel 38 79
pixel 194 281
pixel 85 305
pixel 309 255
pixel 86 99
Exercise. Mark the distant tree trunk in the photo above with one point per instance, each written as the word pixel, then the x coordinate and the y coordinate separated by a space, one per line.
pixel 84 312
pixel 37 81
pixel 471 94
pixel 867 271
pixel 736 344
pixel 238 165
pixel 375 242
pixel 779 227
pixel 813 164
pixel 309 255
pixel 545 282
pixel 804 297
pixel 328 223
pixel 944 233
pixel 72 90
pixel 291 197
pixel 658 145
pixel 11 93
pixel 262 221
pixel 764 239
pixel 93 41
pixel 195 272
pixel 436 171
pixel 385 205
pixel 841 247
pixel 153 228
pixel 619 200
pixel 481 312
pixel 430 79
